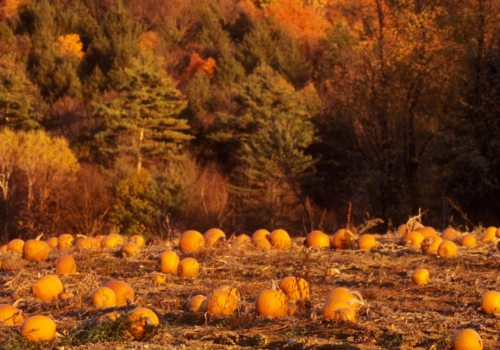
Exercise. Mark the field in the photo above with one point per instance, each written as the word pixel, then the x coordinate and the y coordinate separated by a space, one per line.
pixel 397 314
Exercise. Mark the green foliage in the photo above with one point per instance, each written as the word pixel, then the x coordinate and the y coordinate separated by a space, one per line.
pixel 212 34
pixel 199 92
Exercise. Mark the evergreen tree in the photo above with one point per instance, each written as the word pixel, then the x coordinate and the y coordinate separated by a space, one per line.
pixel 143 122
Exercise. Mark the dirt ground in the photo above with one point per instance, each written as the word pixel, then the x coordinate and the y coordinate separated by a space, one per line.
pixel 397 314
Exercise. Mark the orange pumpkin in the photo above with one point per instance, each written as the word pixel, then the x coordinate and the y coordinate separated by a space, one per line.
pixel 260 234
pixel 413 240
pixel 317 239
pixel 447 249
pixel 138 240
pixel 198 303
pixel 430 245
pixel 367 242
pixel 38 328
pixel 450 234
pixel 104 298
pixel 140 317
pixel 52 242
pixel 420 277
pixel 427 231
pixel 262 244
pixel 352 298
pixel 242 239
pixel 402 230
pixel 343 314
pixel 47 288
pixel 85 243
pixel 466 339
pixel 213 236
pixel 191 242
pixel 295 288
pixel 112 240
pixel 159 278
pixel 122 291
pixel 332 305
pixel 65 241
pixel 129 249
pixel 16 245
pixel 169 262
pixel 469 241
pixel 37 250
pixel 343 239
pixel 280 239
pixel 189 267
pixel 272 303
pixel 221 303
pixel 11 315
pixel 65 265
pixel 489 235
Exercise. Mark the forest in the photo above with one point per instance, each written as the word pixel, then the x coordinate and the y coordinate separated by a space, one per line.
pixel 144 117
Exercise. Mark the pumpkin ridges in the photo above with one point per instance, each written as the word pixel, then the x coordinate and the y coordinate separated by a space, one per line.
pixel 295 288
pixel 272 303
pixel 343 239
pixel 47 288
pixel 188 267
pixel 220 302
pixel 11 315
pixel 16 245
pixel 104 298
pixel 169 262
pixel 122 291
pixel 466 339
pixel 420 277
pixel 317 239
pixel 191 241
pixel 197 303
pixel 65 241
pixel 65 265
pixel 213 236
pixel 280 239
pixel 37 250
pixel 38 328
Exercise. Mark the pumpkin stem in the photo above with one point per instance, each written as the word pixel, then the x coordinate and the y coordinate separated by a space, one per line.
pixel 355 302
pixel 81 236
pixel 130 301
pixel 39 236
pixel 17 302
pixel 273 285
pixel 357 295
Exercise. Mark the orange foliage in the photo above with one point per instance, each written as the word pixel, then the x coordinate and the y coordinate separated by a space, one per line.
pixel 302 21
pixel 9 8
pixel 148 41
pixel 70 45
pixel 197 63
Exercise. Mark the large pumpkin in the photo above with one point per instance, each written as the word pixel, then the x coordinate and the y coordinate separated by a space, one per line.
pixel 169 262
pixel 47 288
pixel 140 317
pixel 104 298
pixel 213 236
pixel 122 291
pixel 343 239
pixel 11 315
pixel 65 265
pixel 318 239
pixel 220 302
pixel 38 328
pixel 16 245
pixel 295 288
pixel 272 303
pixel 65 241
pixel 191 242
pixel 280 239
pixel 37 250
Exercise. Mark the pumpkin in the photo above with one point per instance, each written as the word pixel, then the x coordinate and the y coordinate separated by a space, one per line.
pixel 122 291
pixel 450 234
pixel 343 314
pixel 11 315
pixel 295 288
pixel 262 244
pixel 4 248
pixel 188 267
pixel 220 302
pixel 272 303
pixel 98 240
pixel 402 230
pixel 490 303
pixel 139 240
pixel 489 235
pixel 169 262
pixel 52 242
pixel 112 240
pixel 140 317
pixel 197 303
pixel 191 242
pixel 104 298
pixel 317 239
pixel 159 278
pixel 37 250
pixel 242 239
pixel 280 239
pixel 469 241
pixel 110 316
pixel 466 339
pixel 85 243
pixel 16 245
pixel 65 265
pixel 260 234
pixel 230 290
pixel 47 288
pixel 332 305
pixel 213 236
pixel 129 249
pixel 38 328
pixel 65 241
pixel 413 240
pixel 420 277
pixel 367 242
pixel 343 239
pixel 430 245
pixel 352 298
pixel 427 231
pixel 66 296
pixel 447 249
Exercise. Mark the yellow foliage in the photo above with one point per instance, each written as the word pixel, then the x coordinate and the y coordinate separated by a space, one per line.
pixel 70 45
pixel 148 41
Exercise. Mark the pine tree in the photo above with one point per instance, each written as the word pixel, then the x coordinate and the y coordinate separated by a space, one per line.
pixel 143 122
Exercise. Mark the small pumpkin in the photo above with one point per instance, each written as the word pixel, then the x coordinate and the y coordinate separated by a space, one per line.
pixel 413 240
pixel 38 328
pixel 65 241
pixel 220 302
pixel 489 235
pixel 104 298
pixel 447 249
pixel 317 239
pixel 189 267
pixel 343 239
pixel 332 305
pixel 198 303
pixel 466 339
pixel 35 249
pixel 280 239
pixel 430 245
pixel 242 239
pixel 47 288
pixel 52 242
pixel 427 231
pixel 169 262
pixel 490 303
pixel 262 244
pixel 352 298
pixel 367 242
pixel 343 314
pixel 112 240
pixel 272 303
pixel 450 234
pixel 469 241
pixel 129 249
pixel 140 317
pixel 213 236
pixel 122 291
pixel 402 230
pixel 159 278
pixel 65 265
pixel 295 288
pixel 420 277
pixel 110 316
pixel 85 243
pixel 11 315
pixel 16 245
pixel 191 242
pixel 260 234
pixel 139 240
pixel 233 291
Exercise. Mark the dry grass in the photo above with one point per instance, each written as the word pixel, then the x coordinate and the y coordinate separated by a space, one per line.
pixel 397 314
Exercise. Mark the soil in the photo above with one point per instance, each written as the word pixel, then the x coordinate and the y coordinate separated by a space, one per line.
pixel 396 313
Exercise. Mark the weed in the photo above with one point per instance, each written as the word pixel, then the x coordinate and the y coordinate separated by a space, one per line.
pixel 14 341
pixel 296 333
pixel 398 340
